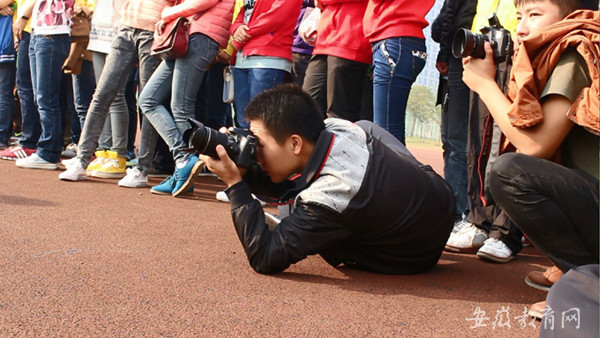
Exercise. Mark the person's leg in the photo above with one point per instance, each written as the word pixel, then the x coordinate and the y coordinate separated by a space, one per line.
pixel 131 102
pixel 119 62
pixel 49 53
pixel 457 117
pixel 7 102
pixel 300 64
pixel 345 84
pixel 152 99
pixel 84 85
pixel 105 140
pixel 556 207
pixel 241 96
pixel 396 64
pixel 216 107
pixel 315 80
pixel 70 122
pixel 29 113
pixel 147 66
pixel 264 78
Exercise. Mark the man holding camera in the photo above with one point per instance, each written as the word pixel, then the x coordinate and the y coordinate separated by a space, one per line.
pixel 360 198
pixel 549 186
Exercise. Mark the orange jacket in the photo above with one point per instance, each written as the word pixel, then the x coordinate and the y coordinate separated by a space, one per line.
pixel 535 60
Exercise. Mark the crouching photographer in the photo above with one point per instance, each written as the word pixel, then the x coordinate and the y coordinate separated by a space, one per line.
pixel 360 198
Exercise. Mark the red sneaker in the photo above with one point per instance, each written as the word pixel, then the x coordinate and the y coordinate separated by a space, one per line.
pixel 15 153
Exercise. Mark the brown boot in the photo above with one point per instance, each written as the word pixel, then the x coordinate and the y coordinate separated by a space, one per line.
pixel 543 280
pixel 537 310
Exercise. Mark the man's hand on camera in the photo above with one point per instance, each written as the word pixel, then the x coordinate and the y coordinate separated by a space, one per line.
pixel 223 167
pixel 479 74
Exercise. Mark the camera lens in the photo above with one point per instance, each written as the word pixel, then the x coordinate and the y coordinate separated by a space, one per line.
pixel 205 140
pixel 466 43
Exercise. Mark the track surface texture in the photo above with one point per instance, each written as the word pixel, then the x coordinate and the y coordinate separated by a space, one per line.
pixel 91 259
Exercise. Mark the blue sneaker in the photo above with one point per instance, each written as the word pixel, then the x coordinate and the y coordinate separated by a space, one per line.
pixel 166 187
pixel 184 177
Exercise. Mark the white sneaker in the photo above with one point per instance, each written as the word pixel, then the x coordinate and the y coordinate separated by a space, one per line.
pixel 222 196
pixel 69 162
pixel 35 162
pixel 496 251
pixel 459 225
pixel 74 172
pixel 134 179
pixel 467 240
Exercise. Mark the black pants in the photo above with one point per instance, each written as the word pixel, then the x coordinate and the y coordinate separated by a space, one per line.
pixel 556 207
pixel 487 216
pixel 337 85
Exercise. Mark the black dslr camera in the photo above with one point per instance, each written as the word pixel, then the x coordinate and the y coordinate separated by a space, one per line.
pixel 466 43
pixel 239 143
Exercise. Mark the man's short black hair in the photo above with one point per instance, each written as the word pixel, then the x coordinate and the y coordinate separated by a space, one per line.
pixel 565 6
pixel 285 110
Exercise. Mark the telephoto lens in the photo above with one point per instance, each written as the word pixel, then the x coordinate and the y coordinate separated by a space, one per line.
pixel 466 43
pixel 204 139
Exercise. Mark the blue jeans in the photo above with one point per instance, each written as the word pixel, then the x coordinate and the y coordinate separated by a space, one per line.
pixel 129 47
pixel 7 101
pixel 83 90
pixel 46 56
pixel 247 84
pixel 31 128
pixel 210 108
pixel 396 64
pixel 111 138
pixel 179 80
pixel 455 122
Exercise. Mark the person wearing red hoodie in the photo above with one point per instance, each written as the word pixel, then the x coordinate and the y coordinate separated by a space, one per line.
pixel 336 73
pixel 263 36
pixel 395 30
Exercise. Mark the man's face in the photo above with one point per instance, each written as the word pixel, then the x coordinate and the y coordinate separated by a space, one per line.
pixel 534 16
pixel 277 160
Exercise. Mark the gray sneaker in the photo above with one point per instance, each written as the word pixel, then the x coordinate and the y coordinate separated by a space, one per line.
pixel 35 162
pixel 467 240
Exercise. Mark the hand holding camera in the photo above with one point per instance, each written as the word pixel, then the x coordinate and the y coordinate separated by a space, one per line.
pixel 228 155
pixel 479 74
pixel 481 53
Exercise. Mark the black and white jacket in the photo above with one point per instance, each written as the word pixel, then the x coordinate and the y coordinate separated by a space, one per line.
pixel 358 202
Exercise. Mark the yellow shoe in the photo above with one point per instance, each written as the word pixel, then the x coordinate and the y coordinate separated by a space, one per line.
pixel 101 158
pixel 114 167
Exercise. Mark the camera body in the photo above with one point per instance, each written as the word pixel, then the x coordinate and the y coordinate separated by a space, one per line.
pixel 239 143
pixel 466 43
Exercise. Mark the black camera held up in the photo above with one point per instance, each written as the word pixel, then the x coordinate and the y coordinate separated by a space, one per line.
pixel 240 144
pixel 466 43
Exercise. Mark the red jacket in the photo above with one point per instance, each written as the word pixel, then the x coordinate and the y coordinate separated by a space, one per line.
pixel 340 31
pixel 395 18
pixel 271 26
